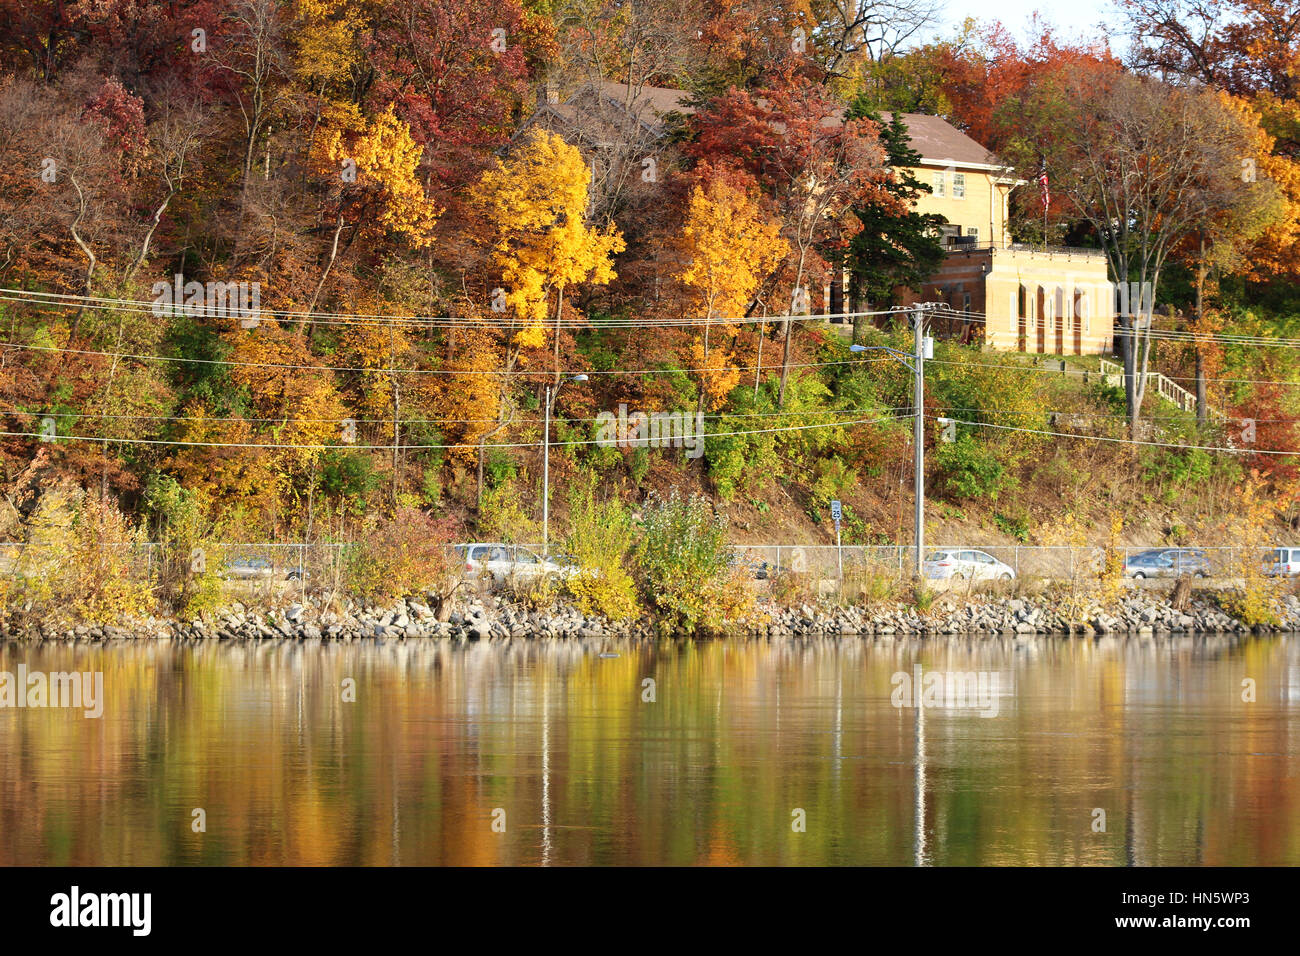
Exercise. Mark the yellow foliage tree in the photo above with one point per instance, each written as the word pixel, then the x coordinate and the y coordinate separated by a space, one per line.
pixel 326 37
pixel 730 247
pixel 386 196
pixel 371 168
pixel 534 204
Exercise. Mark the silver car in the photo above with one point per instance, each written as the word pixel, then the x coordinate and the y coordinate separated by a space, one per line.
pixel 1282 562
pixel 503 561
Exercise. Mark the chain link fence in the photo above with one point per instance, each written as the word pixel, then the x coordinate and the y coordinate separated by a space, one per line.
pixel 266 567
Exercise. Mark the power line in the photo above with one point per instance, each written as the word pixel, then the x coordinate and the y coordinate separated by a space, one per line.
pixel 65 300
pixel 1122 441
pixel 402 421
pixel 521 374
pixel 390 447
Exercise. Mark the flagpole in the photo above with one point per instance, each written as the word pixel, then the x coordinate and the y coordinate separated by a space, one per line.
pixel 1042 181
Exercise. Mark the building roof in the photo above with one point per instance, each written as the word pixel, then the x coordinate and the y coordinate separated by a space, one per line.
pixel 938 141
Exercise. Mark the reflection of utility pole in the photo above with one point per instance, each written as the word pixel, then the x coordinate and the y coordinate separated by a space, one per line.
pixel 920 850
pixel 921 346
pixel 922 349
pixel 546 771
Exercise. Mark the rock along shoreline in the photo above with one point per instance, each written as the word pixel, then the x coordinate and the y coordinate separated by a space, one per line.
pixel 489 616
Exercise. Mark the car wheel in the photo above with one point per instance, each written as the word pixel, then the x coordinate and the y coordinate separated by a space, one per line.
pixel 1006 576
pixel 1199 574
pixel 958 576
pixel 1138 575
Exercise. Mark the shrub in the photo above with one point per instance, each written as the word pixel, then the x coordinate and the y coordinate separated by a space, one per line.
pixel 347 477
pixel 503 516
pixel 971 469
pixel 406 554
pixel 685 561
pixel 600 539
pixel 82 561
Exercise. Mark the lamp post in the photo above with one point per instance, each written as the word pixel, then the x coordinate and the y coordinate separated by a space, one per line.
pixel 923 349
pixel 551 392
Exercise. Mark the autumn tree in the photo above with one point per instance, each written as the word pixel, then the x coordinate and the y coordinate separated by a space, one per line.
pixel 453 78
pixel 1146 165
pixel 370 168
pixel 534 203
pixel 811 162
pixel 729 246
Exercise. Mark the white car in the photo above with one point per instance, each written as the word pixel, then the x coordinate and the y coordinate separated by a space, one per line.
pixel 503 561
pixel 966 565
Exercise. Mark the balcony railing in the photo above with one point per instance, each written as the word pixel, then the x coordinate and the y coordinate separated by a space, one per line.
pixel 957 244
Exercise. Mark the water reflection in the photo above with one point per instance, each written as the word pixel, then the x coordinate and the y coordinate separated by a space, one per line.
pixel 741 734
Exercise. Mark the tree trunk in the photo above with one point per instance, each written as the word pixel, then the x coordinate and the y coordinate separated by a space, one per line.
pixel 334 252
pixel 1202 412
pixel 559 311
pixel 789 332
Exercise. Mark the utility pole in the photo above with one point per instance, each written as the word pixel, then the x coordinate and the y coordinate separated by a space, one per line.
pixel 551 392
pixel 922 349
pixel 546 476
pixel 921 345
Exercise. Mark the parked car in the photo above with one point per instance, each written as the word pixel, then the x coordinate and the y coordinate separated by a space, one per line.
pixel 761 570
pixel 966 565
pixel 1167 563
pixel 1282 562
pixel 247 569
pixel 510 560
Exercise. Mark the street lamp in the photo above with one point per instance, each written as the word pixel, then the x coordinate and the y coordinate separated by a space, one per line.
pixel 915 360
pixel 551 392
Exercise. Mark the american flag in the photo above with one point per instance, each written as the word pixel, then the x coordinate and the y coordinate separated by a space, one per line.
pixel 1042 181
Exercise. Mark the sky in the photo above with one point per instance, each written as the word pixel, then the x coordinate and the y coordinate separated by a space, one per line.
pixel 1074 19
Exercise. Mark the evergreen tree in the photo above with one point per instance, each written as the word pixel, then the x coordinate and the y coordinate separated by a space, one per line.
pixel 893 250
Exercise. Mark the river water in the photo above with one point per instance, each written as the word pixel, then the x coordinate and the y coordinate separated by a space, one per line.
pixel 1110 752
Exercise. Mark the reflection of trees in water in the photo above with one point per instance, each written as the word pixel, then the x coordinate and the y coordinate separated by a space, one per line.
pixel 741 733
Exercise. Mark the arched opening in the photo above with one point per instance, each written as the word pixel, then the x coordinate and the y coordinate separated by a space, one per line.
pixel 1041 316
pixel 1080 307
pixel 1058 319
pixel 1022 302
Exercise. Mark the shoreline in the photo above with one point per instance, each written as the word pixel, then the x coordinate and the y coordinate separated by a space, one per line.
pixel 494 617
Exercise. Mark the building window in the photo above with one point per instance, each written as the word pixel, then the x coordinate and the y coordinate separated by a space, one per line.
pixel 973 234
pixel 939 183
pixel 958 185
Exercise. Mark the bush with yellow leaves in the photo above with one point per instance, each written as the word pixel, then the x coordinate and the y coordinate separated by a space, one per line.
pixel 82 561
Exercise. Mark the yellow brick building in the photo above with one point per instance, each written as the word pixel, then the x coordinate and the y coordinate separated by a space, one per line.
pixel 1054 300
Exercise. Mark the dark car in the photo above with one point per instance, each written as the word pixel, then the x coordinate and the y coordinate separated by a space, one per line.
pixel 1167 563
pixel 761 570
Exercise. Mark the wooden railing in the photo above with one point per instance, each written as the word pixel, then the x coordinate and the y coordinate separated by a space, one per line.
pixel 1112 373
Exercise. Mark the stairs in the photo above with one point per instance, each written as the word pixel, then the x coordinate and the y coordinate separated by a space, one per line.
pixel 1113 374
